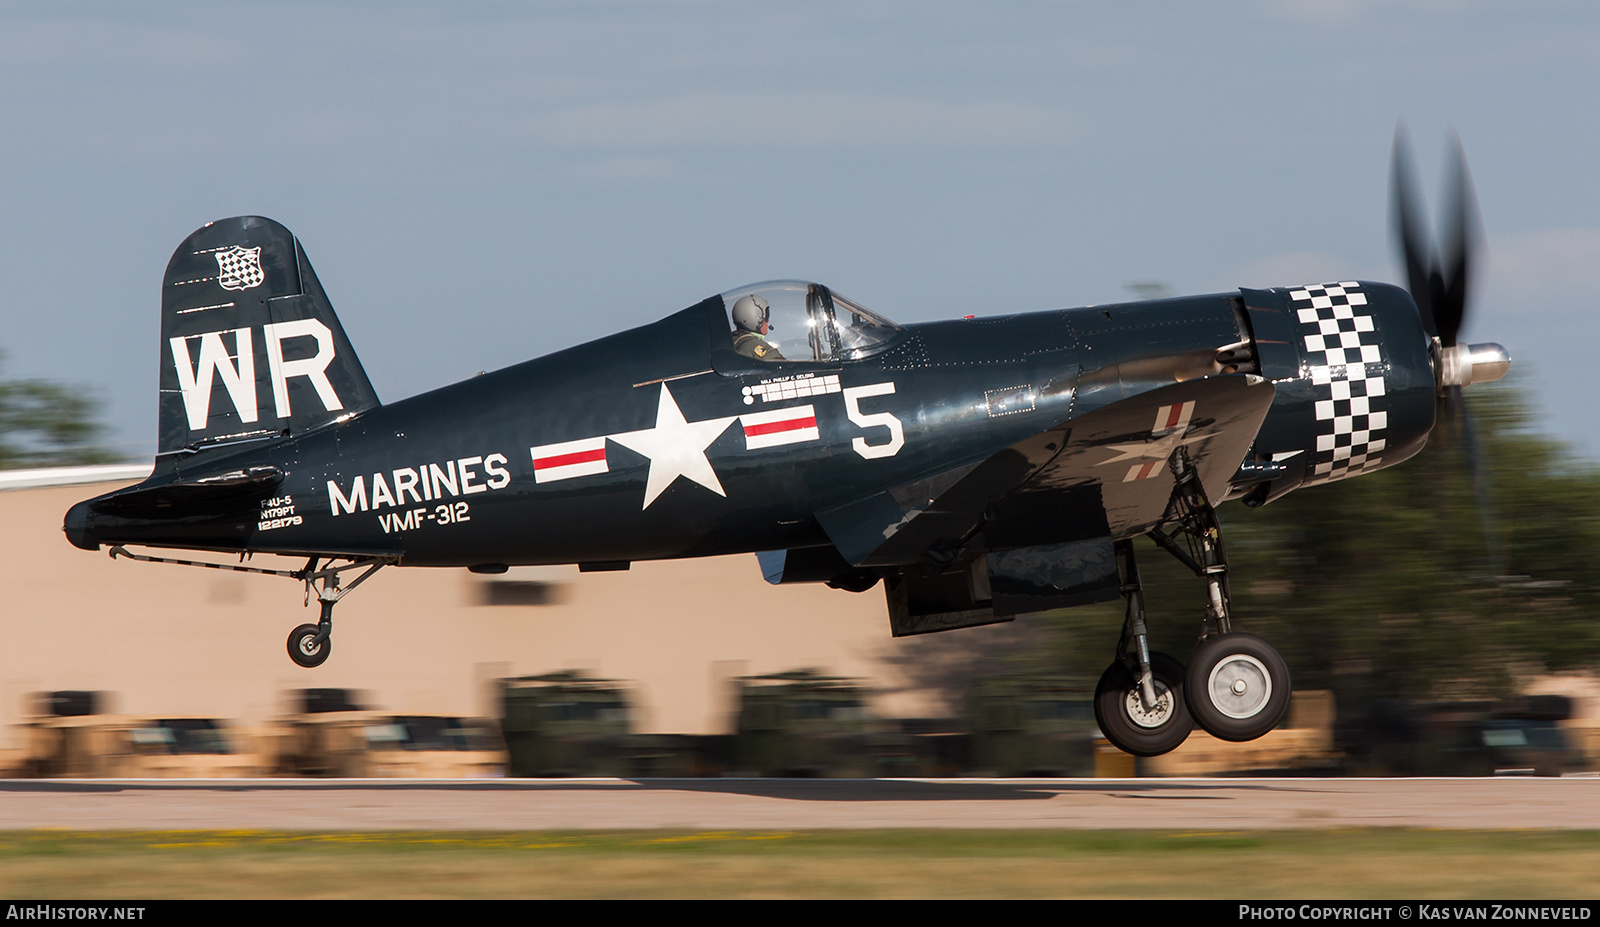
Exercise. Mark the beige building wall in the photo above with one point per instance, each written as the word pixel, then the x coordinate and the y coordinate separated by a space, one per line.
pixel 175 641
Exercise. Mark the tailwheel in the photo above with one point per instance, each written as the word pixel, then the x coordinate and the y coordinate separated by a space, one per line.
pixel 305 649
pixel 1237 686
pixel 1129 723
pixel 310 644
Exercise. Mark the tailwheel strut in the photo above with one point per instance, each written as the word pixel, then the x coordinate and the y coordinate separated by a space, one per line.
pixel 310 644
pixel 1237 685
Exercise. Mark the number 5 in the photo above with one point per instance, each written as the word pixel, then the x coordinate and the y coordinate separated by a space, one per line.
pixel 897 436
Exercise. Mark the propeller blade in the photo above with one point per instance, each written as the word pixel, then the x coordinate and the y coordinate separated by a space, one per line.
pixel 1463 231
pixel 1411 235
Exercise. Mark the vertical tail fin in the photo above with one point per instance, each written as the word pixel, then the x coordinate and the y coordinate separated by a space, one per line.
pixel 250 347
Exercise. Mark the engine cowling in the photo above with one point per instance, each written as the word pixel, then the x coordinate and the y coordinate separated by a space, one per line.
pixel 1356 385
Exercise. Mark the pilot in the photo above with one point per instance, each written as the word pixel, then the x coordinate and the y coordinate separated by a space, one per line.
pixel 751 322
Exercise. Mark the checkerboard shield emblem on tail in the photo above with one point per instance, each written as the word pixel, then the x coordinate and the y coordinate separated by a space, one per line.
pixel 239 268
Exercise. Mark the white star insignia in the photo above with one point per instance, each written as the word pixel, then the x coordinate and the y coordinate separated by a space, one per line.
pixel 676 448
pixel 1157 448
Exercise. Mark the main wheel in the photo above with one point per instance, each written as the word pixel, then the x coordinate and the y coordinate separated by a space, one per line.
pixel 1128 724
pixel 304 649
pixel 1238 687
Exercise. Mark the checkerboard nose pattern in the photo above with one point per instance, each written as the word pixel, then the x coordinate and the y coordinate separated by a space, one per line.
pixel 1347 367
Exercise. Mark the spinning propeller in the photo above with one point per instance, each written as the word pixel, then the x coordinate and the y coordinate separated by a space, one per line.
pixel 1438 282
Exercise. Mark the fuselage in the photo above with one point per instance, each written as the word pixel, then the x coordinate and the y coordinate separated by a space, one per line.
pixel 662 442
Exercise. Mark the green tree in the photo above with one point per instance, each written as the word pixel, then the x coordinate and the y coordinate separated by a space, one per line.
pixel 46 424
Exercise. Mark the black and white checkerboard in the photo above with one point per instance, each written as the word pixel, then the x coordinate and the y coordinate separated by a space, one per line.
pixel 1346 365
pixel 239 268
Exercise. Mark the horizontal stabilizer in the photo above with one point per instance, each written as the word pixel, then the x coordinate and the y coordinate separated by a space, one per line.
pixel 223 491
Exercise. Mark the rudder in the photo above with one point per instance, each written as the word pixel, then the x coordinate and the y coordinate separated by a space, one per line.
pixel 250 347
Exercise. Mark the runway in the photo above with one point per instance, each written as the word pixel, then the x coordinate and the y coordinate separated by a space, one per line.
pixel 782 804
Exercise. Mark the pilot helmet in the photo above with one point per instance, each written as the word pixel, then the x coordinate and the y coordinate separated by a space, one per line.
pixel 750 312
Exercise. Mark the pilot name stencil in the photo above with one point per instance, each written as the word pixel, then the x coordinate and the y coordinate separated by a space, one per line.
pixel 795 387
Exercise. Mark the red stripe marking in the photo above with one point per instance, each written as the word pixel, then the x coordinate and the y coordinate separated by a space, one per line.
pixel 566 460
pixel 1174 415
pixel 788 424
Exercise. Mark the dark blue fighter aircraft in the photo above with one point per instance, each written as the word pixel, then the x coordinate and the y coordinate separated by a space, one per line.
pixel 980 469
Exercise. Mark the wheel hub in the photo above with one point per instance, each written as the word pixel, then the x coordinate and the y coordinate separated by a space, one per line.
pixel 1149 717
pixel 1240 686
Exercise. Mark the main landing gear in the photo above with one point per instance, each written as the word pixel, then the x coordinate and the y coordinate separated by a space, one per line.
pixel 309 644
pixel 1236 687
pixel 1139 702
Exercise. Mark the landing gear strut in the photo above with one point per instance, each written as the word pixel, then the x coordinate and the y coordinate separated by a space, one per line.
pixel 1237 684
pixel 1140 702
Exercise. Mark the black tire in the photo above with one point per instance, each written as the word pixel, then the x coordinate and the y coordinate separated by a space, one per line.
pixel 1238 687
pixel 1122 716
pixel 303 651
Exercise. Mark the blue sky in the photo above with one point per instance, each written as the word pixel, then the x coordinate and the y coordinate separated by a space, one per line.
pixel 480 184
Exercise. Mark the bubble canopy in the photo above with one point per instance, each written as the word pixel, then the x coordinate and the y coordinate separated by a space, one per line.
pixel 808 322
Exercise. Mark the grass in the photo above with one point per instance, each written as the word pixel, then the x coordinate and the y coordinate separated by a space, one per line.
pixel 1369 863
